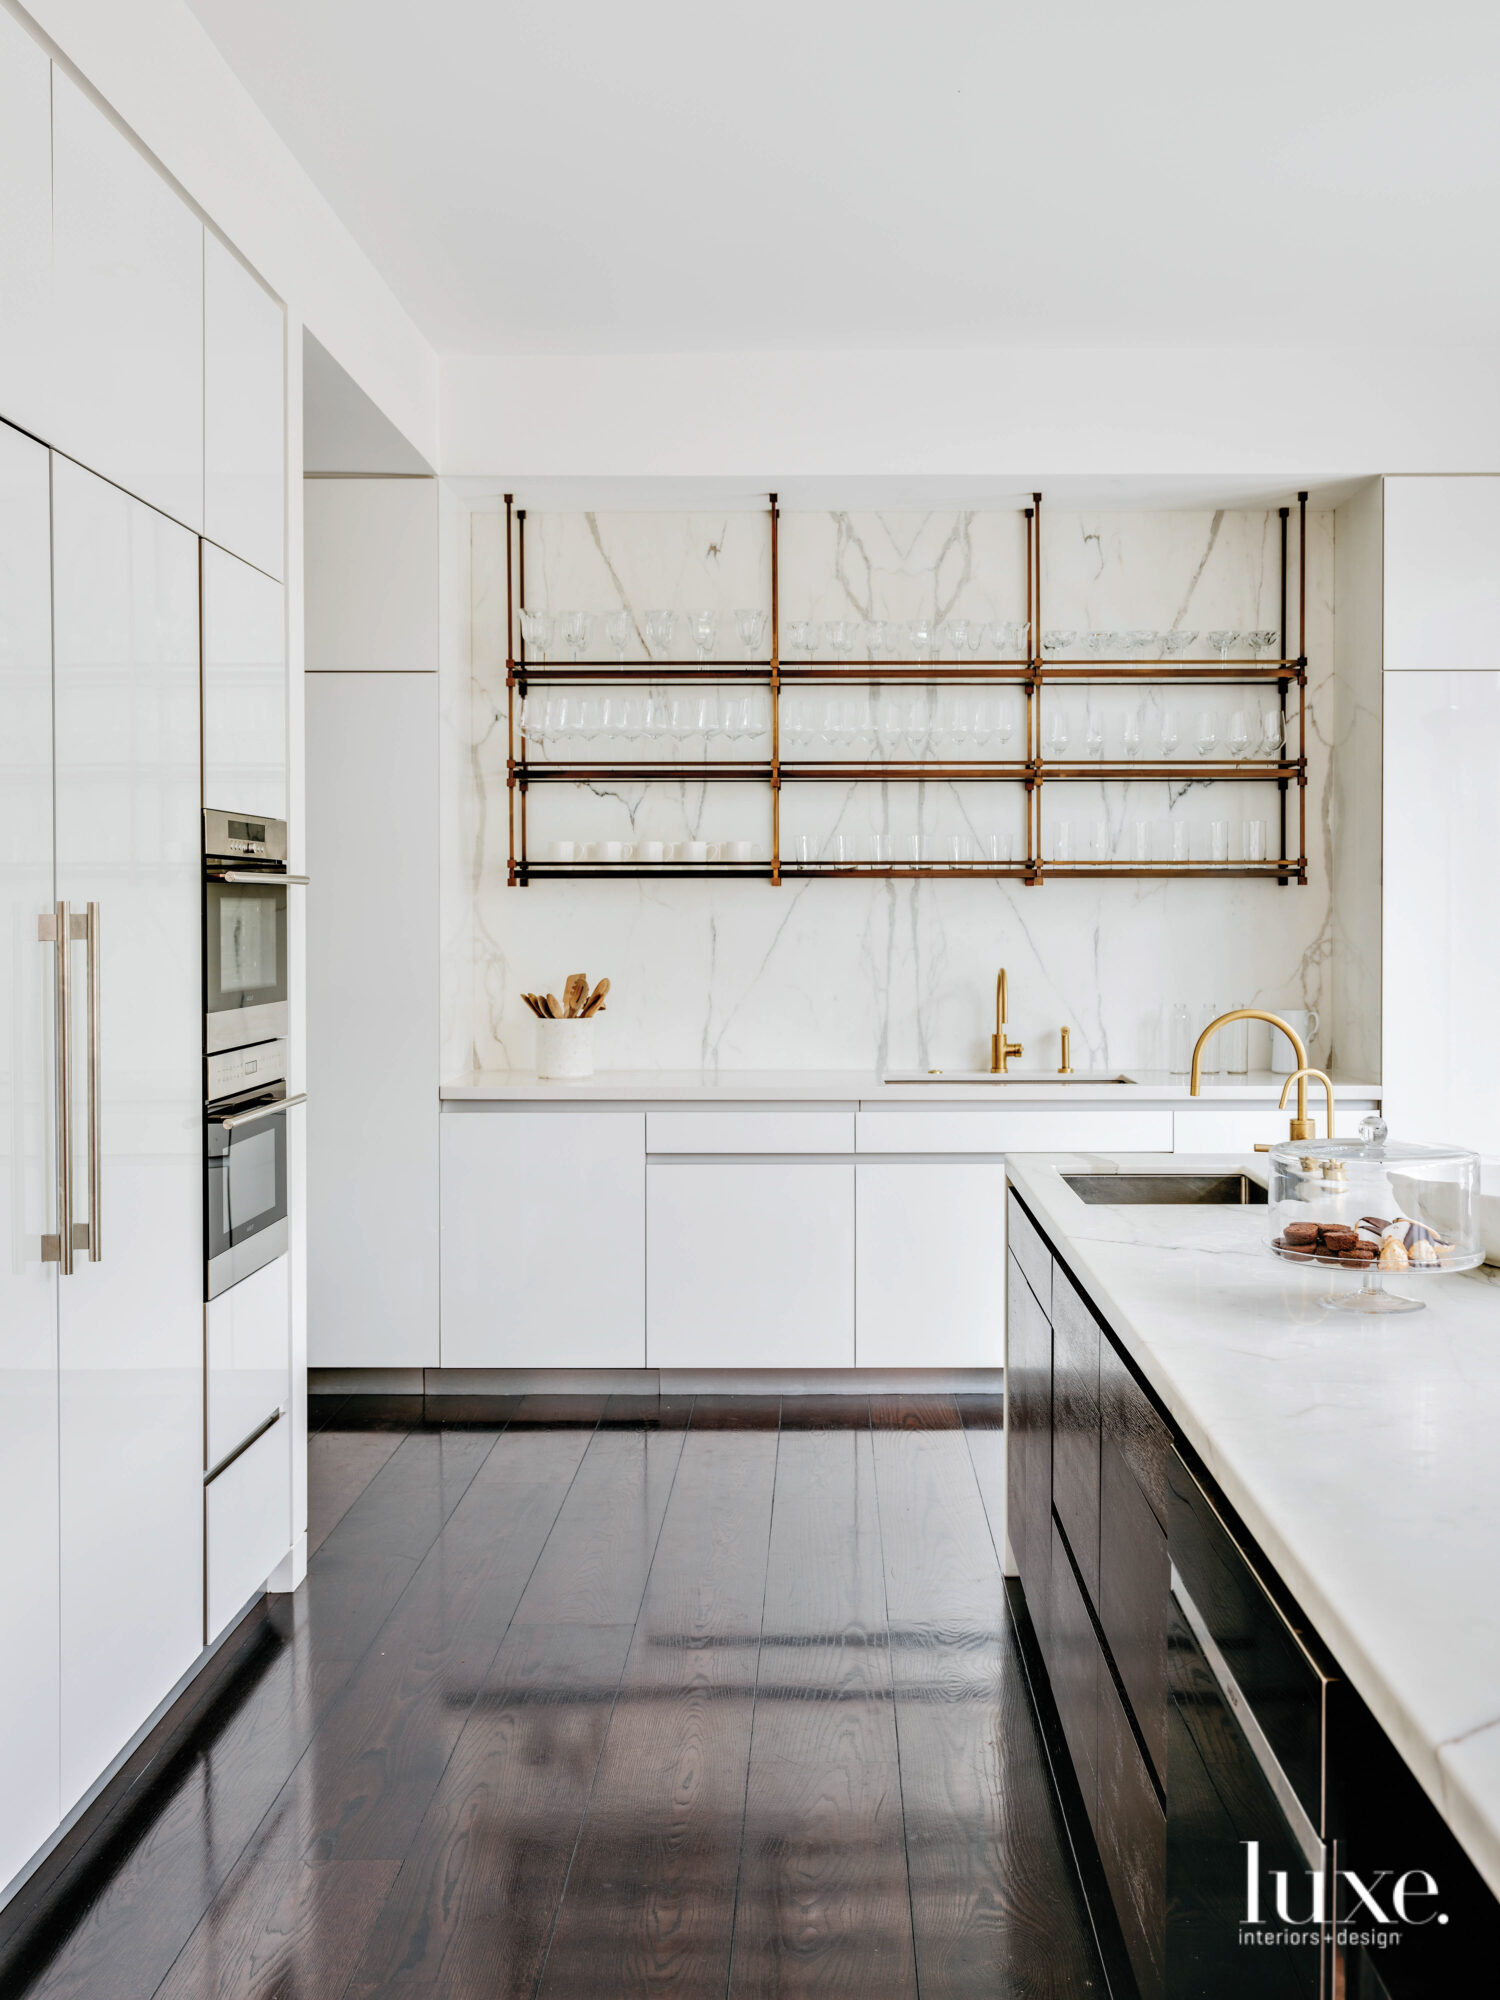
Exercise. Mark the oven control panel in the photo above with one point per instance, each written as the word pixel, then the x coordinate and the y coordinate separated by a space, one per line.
pixel 236 1070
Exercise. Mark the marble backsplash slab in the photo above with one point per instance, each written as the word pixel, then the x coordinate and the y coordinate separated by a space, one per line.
pixel 728 975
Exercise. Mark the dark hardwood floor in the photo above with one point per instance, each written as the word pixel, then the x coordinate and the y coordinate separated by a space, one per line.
pixel 593 1697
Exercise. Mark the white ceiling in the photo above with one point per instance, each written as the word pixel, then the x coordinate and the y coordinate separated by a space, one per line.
pixel 590 177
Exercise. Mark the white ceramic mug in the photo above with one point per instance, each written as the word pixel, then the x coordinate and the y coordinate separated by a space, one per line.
pixel 610 850
pixel 738 850
pixel 561 850
pixel 1303 1021
pixel 650 850
pixel 695 850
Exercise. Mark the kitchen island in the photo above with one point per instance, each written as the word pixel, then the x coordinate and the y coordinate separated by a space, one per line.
pixel 1352 1459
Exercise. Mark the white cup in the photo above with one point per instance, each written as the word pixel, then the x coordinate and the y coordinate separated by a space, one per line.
pixel 1303 1021
pixel 649 850
pixel 561 850
pixel 610 850
pixel 695 850
pixel 739 850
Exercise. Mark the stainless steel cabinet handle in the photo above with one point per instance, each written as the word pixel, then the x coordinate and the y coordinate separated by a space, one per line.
pixel 96 1176
pixel 58 1249
pixel 260 1111
pixel 259 880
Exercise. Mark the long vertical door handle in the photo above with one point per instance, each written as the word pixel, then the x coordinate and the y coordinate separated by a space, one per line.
pixel 96 1177
pixel 59 1249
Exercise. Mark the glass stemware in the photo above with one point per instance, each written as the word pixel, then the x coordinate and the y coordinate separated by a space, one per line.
pixel 1143 642
pixel 1206 732
pixel 1239 733
pixel 750 627
pixel 1168 732
pixel 877 638
pixel 659 627
pixel 536 630
pixel 1267 642
pixel 1057 733
pixel 617 634
pixel 1221 643
pixel 839 635
pixel 1018 635
pixel 923 639
pixel 958 637
pixel 1272 731
pixel 704 626
pixel 1175 642
pixel 574 631
pixel 1130 733
pixel 1093 733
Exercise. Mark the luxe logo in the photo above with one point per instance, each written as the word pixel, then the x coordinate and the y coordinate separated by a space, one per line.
pixel 1355 1899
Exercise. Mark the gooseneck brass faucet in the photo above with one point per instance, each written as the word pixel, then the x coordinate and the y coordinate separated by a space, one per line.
pixel 1327 1083
pixel 1002 1050
pixel 1302 1125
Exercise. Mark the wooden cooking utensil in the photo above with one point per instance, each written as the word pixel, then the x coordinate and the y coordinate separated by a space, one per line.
pixel 596 998
pixel 554 1007
pixel 575 992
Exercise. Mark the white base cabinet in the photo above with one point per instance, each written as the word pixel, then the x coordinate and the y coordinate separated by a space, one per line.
pixel 248 1349
pixel 750 1264
pixel 247 1524
pixel 543 1244
pixel 929 1264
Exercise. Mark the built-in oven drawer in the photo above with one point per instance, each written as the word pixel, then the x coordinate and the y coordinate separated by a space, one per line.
pixel 245 1188
pixel 244 963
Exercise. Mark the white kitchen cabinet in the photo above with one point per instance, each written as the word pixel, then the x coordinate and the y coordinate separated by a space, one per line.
pixel 248 1351
pixel 759 1131
pixel 125 615
pixel 750 1265
pixel 370 555
pixel 247 1525
pixel 244 412
pixel 25 233
pixel 1442 579
pixel 929 1264
pixel 244 687
pixel 543 1239
pixel 372 1020
pixel 1037 1128
pixel 29 1801
pixel 1441 926
pixel 127 321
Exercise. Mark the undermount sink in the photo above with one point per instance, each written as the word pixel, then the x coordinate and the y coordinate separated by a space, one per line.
pixel 1186 1190
pixel 989 1076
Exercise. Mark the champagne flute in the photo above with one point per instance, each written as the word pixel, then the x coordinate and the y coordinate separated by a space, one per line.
pixel 751 628
pixel 1130 732
pixel 1168 732
pixel 617 633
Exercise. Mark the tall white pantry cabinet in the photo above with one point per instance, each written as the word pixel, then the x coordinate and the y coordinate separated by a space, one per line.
pixel 141 407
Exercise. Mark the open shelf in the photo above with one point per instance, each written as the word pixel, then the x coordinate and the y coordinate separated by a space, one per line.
pixel 1031 770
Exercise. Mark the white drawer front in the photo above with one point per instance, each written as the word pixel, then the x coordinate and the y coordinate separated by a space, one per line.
pixel 749 1131
pixel 1037 1129
pixel 249 1357
pixel 249 1523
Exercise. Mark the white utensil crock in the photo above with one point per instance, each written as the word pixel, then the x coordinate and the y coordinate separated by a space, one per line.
pixel 565 1050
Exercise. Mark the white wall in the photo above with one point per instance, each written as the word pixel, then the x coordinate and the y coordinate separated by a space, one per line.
pixel 777 416
pixel 1354 722
pixel 162 78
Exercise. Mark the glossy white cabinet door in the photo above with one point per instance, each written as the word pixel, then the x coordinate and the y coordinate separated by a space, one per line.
pixel 930 1265
pixel 244 412
pixel 1441 927
pixel 1442 578
pixel 125 619
pixel 29 1802
pixel 25 229
pixel 244 687
pixel 372 1020
pixel 248 1344
pixel 543 1239
pixel 750 1266
pixel 127 313
pixel 248 1524
pixel 370 562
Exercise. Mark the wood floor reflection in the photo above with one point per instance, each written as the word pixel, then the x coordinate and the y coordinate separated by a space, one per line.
pixel 594 1697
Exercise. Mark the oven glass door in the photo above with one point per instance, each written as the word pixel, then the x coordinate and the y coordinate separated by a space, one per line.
pixel 246 1188
pixel 245 963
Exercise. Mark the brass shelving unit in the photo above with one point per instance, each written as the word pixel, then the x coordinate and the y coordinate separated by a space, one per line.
pixel 1034 675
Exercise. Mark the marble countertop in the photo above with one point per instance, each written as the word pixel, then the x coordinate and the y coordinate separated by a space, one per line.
pixel 1361 1453
pixel 846 1086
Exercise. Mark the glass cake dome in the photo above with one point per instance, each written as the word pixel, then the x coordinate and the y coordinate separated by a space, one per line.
pixel 1371 1209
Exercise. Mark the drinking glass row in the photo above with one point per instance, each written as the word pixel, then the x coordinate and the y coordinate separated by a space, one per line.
pixel 958 722
pixel 549 634
pixel 1140 842
pixel 1160 645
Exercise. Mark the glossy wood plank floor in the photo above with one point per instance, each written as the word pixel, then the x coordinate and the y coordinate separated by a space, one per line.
pixel 595 1697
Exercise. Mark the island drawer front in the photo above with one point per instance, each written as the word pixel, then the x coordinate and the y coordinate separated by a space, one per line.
pixel 1074 1665
pixel 1135 1587
pixel 1282 1685
pixel 1028 1433
pixel 1131 1830
pixel 1129 1422
pixel 1030 1129
pixel 749 1131
pixel 1075 1417
pixel 1031 1253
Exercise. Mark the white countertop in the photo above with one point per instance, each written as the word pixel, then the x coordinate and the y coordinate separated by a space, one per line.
pixel 1362 1454
pixel 846 1086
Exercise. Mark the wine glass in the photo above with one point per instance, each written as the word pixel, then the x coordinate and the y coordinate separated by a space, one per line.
pixel 1093 733
pixel 877 634
pixel 1272 731
pixel 1239 733
pixel 891 723
pixel 1057 733
pixel 1143 642
pixel 1130 732
pixel 536 630
pixel 617 634
pixel 958 637
pixel 1019 635
pixel 682 716
pixel 1168 732
pixel 1206 732
pixel 923 639
pixel 704 627
pixel 1267 642
pixel 659 627
pixel 1221 643
pixel 958 720
pixel 750 627
pixel 1175 642
pixel 575 631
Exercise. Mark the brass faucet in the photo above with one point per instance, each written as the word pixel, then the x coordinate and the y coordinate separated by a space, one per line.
pixel 1002 1050
pixel 1324 1079
pixel 1302 1125
pixel 1065 1067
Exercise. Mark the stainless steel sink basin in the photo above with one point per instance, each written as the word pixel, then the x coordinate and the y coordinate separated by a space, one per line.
pixel 1187 1190
pixel 988 1076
